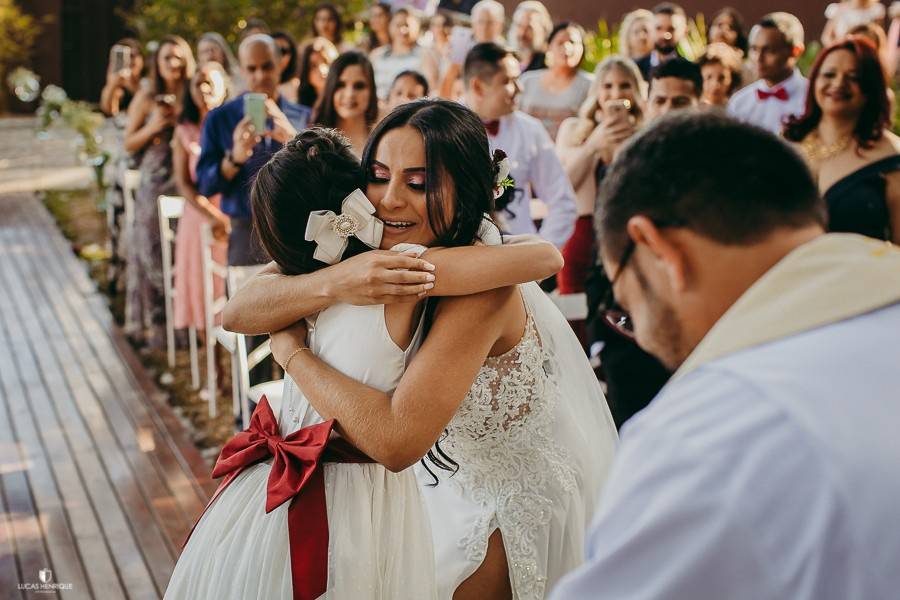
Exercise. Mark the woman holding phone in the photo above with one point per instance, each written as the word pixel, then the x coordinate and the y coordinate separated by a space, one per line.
pixel 123 76
pixel 152 117
pixel 586 144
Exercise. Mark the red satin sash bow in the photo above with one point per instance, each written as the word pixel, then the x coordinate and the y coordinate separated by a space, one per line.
pixel 296 464
pixel 779 94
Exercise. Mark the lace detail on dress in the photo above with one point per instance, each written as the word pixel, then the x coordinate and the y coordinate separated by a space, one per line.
pixel 501 436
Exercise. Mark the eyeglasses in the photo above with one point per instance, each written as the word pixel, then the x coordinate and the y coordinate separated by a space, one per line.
pixel 614 315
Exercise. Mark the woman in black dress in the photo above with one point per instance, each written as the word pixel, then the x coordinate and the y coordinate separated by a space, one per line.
pixel 845 137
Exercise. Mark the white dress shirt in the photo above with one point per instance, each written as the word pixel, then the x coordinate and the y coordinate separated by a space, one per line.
pixel 770 113
pixel 538 173
pixel 769 474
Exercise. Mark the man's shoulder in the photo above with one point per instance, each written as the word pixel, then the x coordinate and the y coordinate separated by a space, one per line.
pixel 743 95
pixel 232 110
pixel 530 125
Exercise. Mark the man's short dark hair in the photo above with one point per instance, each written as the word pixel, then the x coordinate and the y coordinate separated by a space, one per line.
pixel 669 8
pixel 680 68
pixel 483 61
pixel 725 180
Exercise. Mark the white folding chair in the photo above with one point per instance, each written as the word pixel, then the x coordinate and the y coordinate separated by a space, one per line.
pixel 131 180
pixel 169 209
pixel 248 358
pixel 212 306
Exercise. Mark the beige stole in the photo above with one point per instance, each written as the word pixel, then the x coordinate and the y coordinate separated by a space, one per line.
pixel 834 277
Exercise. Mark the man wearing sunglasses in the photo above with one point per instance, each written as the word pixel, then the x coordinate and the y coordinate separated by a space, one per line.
pixel 768 465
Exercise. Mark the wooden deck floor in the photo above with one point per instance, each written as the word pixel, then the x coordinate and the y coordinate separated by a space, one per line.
pixel 98 480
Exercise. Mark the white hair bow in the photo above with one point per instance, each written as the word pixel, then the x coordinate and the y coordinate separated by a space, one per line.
pixel 331 232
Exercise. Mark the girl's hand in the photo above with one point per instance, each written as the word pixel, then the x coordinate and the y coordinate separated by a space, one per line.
pixel 380 277
pixel 285 342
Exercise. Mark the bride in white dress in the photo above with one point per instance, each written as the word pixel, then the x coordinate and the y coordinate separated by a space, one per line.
pixel 378 533
pixel 526 422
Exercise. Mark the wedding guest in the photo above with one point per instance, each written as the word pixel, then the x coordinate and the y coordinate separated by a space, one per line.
pixel 845 15
pixel 720 67
pixel 327 23
pixel 491 75
pixel 315 60
pixel 764 468
pixel 289 85
pixel 528 34
pixel 727 27
pixel 776 42
pixel 403 54
pixel 669 29
pixel 555 93
pixel 233 151
pixel 438 39
pixel 349 102
pixel 407 86
pixel 846 138
pixel 488 18
pixel 379 27
pixel 255 26
pixel 635 38
pixel 212 47
pixel 674 85
pixel 207 90
pixel 585 145
pixel 152 116
pixel 122 84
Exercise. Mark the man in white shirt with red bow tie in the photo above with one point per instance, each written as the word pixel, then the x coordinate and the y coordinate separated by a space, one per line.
pixel 491 76
pixel 776 42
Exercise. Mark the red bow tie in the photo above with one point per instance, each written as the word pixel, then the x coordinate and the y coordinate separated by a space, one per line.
pixel 492 127
pixel 295 475
pixel 779 94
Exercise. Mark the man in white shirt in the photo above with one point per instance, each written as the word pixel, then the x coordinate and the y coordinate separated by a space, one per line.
pixel 776 42
pixel 491 77
pixel 767 468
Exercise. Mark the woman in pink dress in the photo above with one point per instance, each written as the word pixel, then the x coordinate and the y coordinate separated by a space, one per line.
pixel 207 91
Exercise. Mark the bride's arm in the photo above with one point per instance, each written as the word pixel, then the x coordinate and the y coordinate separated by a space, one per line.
pixel 397 430
pixel 272 301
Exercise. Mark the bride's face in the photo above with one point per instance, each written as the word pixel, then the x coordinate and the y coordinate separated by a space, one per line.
pixel 397 188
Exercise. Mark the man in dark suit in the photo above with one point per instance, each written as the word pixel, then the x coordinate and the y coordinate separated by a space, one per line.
pixel 669 28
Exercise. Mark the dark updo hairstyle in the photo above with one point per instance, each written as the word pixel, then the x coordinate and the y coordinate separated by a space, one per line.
pixel 314 171
pixel 456 149
pixel 875 115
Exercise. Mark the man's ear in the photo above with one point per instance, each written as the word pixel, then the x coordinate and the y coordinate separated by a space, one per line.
pixel 797 51
pixel 476 86
pixel 664 247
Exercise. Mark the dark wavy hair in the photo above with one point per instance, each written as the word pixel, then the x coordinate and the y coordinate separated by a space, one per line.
pixel 335 14
pixel 875 115
pixel 290 71
pixel 314 171
pixel 737 20
pixel 325 114
pixel 456 149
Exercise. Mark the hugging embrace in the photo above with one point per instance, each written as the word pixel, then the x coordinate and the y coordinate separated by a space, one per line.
pixel 441 433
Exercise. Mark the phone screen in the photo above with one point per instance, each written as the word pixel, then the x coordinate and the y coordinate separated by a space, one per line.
pixel 255 108
pixel 121 58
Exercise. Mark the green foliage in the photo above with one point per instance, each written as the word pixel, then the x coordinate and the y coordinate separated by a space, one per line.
pixel 153 19
pixel 806 60
pixel 693 45
pixel 600 44
pixel 18 32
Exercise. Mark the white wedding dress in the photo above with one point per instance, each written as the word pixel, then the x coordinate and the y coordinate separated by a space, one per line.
pixel 533 440
pixel 380 545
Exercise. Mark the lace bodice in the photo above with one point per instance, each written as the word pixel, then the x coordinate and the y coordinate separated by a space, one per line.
pixel 502 438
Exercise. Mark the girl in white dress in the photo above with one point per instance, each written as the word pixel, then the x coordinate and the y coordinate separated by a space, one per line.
pixel 500 378
pixel 378 541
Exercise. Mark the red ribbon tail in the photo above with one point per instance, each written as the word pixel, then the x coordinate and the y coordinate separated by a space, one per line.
pixel 308 531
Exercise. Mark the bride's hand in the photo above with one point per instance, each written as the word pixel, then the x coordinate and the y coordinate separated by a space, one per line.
pixel 380 277
pixel 285 342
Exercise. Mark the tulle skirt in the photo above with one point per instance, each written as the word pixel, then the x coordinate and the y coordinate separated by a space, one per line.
pixel 379 540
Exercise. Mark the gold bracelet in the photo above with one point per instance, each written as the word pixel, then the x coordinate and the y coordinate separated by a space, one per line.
pixel 293 354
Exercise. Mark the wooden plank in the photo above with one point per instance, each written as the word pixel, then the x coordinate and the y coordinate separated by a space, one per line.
pixel 97 360
pixel 149 404
pixel 49 518
pixel 9 572
pixel 146 562
pixel 86 491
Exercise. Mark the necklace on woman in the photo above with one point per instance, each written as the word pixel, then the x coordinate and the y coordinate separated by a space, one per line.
pixel 817 151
